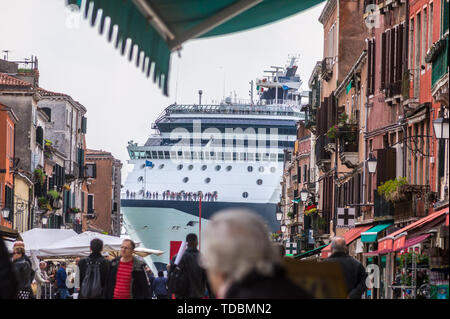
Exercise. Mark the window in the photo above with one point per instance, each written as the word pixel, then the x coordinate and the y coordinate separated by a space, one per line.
pixel 229 168
pixel 259 182
pixel 273 169
pixel 204 167
pixel 185 180
pixel 218 167
pixel 91 170
pixel 250 168
pixel 180 167
pixel 261 169
pixel 424 36
pixel 140 178
pixel 430 26
pixel 411 44
pixel 91 203
pixel 161 166
pixel 245 194
pixel 190 167
pixel 207 180
pixel 40 136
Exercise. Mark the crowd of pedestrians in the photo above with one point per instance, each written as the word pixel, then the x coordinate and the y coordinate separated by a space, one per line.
pixel 169 195
pixel 238 261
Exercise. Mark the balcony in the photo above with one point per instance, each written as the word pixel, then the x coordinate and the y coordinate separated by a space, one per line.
pixel 439 74
pixel 394 90
pixel 323 158
pixel 327 68
pixel 348 148
pixel 411 202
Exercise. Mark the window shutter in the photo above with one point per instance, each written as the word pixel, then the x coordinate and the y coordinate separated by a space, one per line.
pixel 369 67
pixel 392 55
pixel 84 124
pixel 90 203
pixel 400 52
pixel 383 60
pixel 372 73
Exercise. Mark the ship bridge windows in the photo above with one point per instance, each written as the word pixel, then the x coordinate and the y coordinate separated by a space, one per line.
pixel 187 155
pixel 166 155
pixel 173 154
pixel 227 156
pixel 154 154
pixel 280 157
pixel 273 158
pixel 160 155
pixel 250 156
pixel 148 154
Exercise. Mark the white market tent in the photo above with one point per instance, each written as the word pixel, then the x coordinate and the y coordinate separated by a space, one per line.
pixel 47 243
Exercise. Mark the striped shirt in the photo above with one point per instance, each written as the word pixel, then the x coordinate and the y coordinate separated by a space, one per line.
pixel 123 280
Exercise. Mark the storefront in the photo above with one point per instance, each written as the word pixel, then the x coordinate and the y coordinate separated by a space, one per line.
pixel 417 259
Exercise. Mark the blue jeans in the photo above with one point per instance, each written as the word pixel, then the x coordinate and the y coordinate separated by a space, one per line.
pixel 63 293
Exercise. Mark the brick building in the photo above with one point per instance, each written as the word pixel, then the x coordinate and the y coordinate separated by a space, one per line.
pixel 104 184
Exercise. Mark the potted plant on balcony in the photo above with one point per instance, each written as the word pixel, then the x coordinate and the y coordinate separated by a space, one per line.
pixel 393 190
pixel 39 176
pixel 44 203
pixel 290 215
pixel 55 199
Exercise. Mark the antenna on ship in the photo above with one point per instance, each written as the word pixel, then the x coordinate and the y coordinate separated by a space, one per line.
pixel 200 92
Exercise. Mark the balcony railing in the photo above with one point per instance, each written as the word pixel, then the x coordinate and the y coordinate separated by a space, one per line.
pixel 440 62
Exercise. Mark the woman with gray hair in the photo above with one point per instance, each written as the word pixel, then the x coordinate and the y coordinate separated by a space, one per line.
pixel 241 261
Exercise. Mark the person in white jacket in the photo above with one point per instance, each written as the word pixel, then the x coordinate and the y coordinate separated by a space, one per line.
pixel 41 278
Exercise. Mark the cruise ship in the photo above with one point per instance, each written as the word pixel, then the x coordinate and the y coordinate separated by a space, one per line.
pixel 205 158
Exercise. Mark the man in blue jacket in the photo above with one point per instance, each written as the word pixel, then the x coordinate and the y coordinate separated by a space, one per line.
pixel 159 286
pixel 61 277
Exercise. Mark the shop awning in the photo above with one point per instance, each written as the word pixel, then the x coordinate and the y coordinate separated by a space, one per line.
pixel 158 27
pixel 377 252
pixel 9 233
pixel 432 218
pixel 370 235
pixel 312 252
pixel 349 236
pixel 413 241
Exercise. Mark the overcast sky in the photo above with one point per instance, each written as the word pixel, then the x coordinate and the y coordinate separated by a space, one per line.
pixel 121 102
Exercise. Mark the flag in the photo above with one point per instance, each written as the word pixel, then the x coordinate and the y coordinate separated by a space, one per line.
pixel 349 86
pixel 148 164
pixel 296 200
pixel 285 87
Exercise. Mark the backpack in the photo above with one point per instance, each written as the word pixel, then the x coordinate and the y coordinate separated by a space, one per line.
pixel 91 287
pixel 178 281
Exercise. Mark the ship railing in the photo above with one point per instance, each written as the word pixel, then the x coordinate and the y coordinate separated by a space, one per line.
pixel 178 196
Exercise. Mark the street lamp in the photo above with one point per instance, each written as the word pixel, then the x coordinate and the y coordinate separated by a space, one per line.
pixel 5 213
pixel 283 228
pixel 441 128
pixel 372 163
pixel 279 216
pixel 44 220
pixel 304 195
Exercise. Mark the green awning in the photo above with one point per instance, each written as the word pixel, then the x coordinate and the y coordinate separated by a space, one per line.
pixel 312 252
pixel 370 235
pixel 159 27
